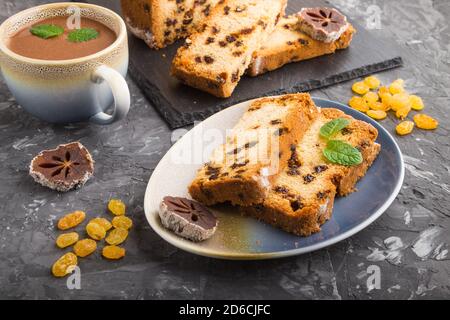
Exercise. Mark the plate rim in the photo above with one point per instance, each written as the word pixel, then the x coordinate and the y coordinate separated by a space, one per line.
pixel 191 247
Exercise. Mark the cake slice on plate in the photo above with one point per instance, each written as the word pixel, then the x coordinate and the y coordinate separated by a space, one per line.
pixel 241 170
pixel 215 58
pixel 301 197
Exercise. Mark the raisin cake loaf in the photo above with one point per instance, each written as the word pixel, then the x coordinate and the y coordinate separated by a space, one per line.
pixel 161 22
pixel 288 44
pixel 302 196
pixel 241 170
pixel 215 58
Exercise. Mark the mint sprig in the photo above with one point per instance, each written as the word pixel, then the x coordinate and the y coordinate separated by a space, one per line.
pixel 331 128
pixel 337 151
pixel 340 152
pixel 47 31
pixel 82 35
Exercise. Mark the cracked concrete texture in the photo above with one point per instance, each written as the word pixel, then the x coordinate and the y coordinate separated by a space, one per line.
pixel 409 242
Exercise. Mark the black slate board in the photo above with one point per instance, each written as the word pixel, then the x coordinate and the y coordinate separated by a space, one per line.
pixel 181 105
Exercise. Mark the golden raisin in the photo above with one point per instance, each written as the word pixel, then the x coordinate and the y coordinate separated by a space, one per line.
pixel 66 239
pixel 71 220
pixel 95 231
pixel 360 87
pixel 416 102
pixel 379 106
pixel 399 81
pixel 426 122
pixel 372 82
pixel 386 98
pixel 102 222
pixel 122 222
pixel 396 87
pixel 383 90
pixel 113 252
pixel 377 114
pixel 117 236
pixel 358 103
pixel 64 265
pixel 404 128
pixel 84 247
pixel 403 112
pixel 399 101
pixel 370 97
pixel 116 207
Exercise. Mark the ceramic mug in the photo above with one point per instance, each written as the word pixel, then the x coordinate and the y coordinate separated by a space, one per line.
pixel 64 91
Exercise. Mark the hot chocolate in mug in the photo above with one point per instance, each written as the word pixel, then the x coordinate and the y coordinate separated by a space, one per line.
pixel 65 91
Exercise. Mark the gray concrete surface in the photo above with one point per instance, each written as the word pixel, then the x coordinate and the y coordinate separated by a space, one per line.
pixel 409 242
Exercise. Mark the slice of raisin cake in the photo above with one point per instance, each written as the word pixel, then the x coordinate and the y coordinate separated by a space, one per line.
pixel 215 58
pixel 302 196
pixel 288 44
pixel 161 22
pixel 241 170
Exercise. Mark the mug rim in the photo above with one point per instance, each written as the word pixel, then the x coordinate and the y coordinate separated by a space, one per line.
pixel 120 37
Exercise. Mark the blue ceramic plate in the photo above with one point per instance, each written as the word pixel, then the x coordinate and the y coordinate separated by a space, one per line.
pixel 240 237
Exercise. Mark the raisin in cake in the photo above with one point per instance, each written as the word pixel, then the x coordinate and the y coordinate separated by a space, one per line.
pixel 288 44
pixel 161 22
pixel 301 197
pixel 241 170
pixel 215 58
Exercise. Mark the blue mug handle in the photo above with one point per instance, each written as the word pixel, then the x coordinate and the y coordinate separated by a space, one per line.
pixel 120 91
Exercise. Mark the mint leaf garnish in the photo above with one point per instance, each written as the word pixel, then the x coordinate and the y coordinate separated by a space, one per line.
pixel 329 129
pixel 340 152
pixel 82 35
pixel 46 31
